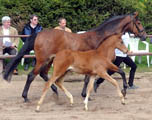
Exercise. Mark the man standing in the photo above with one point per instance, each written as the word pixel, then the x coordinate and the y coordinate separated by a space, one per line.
pixel 10 44
pixel 62 25
pixel 121 57
pixel 32 27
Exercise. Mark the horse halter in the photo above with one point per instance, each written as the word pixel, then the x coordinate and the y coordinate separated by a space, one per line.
pixel 134 23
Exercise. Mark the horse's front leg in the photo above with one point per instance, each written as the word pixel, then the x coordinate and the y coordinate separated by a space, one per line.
pixel 86 81
pixel 125 86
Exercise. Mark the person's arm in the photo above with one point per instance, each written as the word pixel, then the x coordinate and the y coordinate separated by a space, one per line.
pixel 15 40
pixel 26 31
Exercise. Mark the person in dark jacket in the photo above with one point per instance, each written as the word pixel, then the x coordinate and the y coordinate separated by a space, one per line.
pixel 32 27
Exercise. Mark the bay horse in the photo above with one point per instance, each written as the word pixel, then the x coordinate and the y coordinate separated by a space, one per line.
pixel 91 62
pixel 49 42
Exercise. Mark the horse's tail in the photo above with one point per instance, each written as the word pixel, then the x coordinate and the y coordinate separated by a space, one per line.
pixel 28 46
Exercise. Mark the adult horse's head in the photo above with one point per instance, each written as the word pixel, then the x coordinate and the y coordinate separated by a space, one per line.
pixel 136 27
pixel 120 24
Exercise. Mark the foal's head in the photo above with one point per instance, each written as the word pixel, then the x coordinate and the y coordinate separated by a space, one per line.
pixel 115 41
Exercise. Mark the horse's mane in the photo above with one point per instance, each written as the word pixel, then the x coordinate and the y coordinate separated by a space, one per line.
pixel 110 25
pixel 110 22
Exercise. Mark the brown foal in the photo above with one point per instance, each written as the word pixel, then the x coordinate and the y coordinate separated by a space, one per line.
pixel 92 62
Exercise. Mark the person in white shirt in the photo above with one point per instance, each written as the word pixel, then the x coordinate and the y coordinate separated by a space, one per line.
pixel 10 44
pixel 121 57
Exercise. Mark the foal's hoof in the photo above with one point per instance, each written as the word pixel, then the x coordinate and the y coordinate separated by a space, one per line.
pixel 123 92
pixel 123 103
pixel 37 111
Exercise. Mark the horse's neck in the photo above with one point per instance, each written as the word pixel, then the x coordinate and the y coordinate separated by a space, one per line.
pixel 95 37
pixel 117 27
pixel 91 39
pixel 124 25
pixel 107 49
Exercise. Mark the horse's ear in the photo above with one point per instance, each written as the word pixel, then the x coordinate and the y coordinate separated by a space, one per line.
pixel 135 14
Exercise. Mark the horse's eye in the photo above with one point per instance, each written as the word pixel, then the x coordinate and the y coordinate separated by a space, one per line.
pixel 121 42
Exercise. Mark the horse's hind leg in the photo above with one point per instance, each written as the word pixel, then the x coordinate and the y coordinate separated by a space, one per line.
pixel 30 78
pixel 44 74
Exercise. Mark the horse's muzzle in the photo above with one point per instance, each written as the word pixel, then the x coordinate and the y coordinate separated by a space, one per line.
pixel 143 38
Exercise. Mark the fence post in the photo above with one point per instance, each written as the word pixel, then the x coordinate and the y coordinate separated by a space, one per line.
pixel 1 53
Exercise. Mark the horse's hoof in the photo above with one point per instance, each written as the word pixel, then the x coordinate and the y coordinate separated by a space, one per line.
pixel 7 78
pixel 95 87
pixel 123 92
pixel 54 88
pixel 83 95
pixel 26 100
pixel 89 99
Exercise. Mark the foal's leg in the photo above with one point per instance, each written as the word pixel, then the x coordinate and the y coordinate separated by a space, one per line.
pixel 115 83
pixel 59 71
pixel 47 85
pixel 59 83
pixel 90 87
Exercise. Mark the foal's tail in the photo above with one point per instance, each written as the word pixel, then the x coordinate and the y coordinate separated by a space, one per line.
pixel 49 60
pixel 28 46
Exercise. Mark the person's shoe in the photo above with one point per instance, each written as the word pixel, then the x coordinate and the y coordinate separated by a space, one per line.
pixel 26 67
pixel 15 72
pixel 133 87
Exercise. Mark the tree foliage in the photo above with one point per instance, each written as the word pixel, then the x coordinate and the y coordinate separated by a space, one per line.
pixel 80 14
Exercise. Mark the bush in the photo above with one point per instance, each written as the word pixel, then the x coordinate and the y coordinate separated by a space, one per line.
pixel 80 14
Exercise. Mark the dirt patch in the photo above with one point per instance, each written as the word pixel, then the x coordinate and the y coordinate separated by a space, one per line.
pixel 105 106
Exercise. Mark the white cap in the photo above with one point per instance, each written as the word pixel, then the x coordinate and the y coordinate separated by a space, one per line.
pixel 5 18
